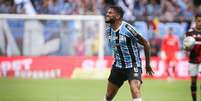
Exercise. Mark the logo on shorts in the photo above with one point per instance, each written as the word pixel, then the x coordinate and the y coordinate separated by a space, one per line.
pixel 135 74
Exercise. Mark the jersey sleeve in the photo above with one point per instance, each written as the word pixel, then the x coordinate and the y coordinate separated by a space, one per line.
pixel 132 31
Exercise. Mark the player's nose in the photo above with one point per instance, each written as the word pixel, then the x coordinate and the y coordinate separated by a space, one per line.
pixel 107 14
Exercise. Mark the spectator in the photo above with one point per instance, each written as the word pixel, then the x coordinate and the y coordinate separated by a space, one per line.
pixel 48 7
pixel 69 7
pixel 188 13
pixel 153 9
pixel 155 45
pixel 139 9
pixel 127 6
pixel 7 6
pixel 88 7
pixel 168 9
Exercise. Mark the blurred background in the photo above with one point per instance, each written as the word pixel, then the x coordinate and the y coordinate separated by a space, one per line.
pixel 46 42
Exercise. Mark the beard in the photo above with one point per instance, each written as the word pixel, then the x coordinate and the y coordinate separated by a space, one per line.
pixel 109 20
pixel 198 27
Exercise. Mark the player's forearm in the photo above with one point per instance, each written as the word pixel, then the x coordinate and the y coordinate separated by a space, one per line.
pixel 147 52
pixel 147 48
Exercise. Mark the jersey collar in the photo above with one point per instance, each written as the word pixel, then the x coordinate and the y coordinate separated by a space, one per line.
pixel 119 26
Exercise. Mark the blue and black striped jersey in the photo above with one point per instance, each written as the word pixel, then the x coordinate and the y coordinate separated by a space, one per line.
pixel 123 42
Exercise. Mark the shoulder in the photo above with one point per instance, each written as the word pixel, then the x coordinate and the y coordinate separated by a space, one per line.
pixel 130 28
pixel 190 32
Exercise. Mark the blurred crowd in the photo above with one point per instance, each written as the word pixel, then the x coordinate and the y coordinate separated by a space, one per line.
pixel 165 10
pixel 150 17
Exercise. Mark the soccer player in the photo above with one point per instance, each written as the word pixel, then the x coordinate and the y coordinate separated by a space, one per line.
pixel 170 48
pixel 195 55
pixel 123 40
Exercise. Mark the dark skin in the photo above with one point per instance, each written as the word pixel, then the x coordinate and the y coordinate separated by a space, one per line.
pixel 115 20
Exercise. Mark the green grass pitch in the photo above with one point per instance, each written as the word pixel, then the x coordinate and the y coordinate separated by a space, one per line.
pixel 89 90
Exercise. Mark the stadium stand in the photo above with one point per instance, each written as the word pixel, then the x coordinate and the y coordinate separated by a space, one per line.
pixel 170 13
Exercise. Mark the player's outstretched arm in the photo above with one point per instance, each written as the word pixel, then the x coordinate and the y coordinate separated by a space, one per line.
pixel 147 49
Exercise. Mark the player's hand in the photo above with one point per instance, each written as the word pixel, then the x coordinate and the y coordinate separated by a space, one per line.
pixel 149 70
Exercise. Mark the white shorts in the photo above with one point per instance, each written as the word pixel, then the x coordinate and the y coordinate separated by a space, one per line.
pixel 194 69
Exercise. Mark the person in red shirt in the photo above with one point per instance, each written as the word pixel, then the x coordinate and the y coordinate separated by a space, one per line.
pixel 169 49
pixel 195 55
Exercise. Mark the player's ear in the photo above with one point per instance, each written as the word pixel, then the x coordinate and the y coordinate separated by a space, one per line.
pixel 118 17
